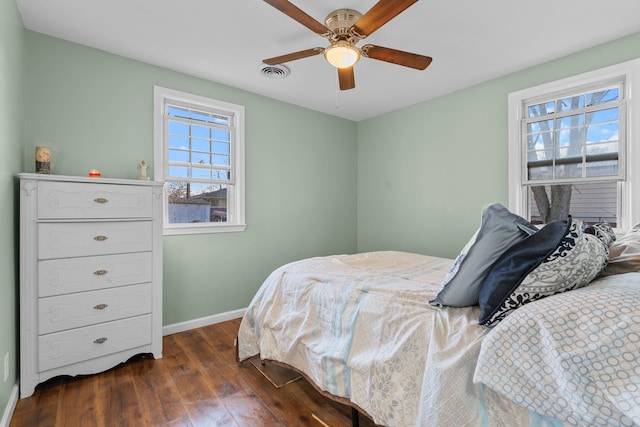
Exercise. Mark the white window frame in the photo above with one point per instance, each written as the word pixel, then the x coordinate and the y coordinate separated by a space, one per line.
pixel 236 200
pixel 630 71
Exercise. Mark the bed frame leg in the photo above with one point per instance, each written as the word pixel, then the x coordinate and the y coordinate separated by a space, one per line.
pixel 355 417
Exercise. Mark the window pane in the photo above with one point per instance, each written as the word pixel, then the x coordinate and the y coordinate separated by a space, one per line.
pixel 203 117
pixel 176 171
pixel 221 120
pixel 540 109
pixel 177 112
pixel 178 141
pixel 539 173
pixel 201 173
pixel 570 121
pixel 568 171
pixel 178 156
pixel 541 126
pixel 570 137
pixel 178 128
pixel 591 202
pixel 603 168
pixel 221 160
pixel 538 141
pixel 608 115
pixel 221 135
pixel 221 147
pixel 193 203
pixel 572 103
pixel 603 96
pixel 539 156
pixel 569 155
pixel 222 175
pixel 201 145
pixel 200 132
pixel 602 132
pixel 201 158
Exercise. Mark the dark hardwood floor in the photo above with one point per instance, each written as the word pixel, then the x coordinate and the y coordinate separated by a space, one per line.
pixel 196 383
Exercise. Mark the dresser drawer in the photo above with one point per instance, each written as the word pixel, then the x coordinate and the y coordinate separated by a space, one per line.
pixel 62 240
pixel 82 200
pixel 67 275
pixel 89 308
pixel 76 345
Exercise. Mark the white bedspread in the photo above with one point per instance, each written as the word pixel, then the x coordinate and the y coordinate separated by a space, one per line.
pixel 574 356
pixel 360 327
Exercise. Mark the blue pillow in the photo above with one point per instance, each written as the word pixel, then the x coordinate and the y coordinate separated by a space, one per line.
pixel 558 258
pixel 499 230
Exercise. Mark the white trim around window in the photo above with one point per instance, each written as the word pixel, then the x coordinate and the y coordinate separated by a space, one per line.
pixel 630 72
pixel 164 97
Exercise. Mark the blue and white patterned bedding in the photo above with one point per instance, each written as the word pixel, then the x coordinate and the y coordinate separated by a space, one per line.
pixel 574 356
pixel 360 327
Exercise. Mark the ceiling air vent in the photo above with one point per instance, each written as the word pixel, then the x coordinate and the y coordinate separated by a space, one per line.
pixel 274 71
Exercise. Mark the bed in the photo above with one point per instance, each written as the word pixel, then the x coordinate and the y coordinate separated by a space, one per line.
pixel 389 333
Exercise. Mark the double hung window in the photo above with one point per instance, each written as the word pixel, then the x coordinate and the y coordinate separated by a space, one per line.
pixel 200 147
pixel 571 146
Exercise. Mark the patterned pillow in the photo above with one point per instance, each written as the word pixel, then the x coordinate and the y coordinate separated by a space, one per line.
pixel 602 230
pixel 499 230
pixel 558 258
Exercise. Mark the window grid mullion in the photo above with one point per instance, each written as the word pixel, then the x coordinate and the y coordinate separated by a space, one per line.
pixel 556 117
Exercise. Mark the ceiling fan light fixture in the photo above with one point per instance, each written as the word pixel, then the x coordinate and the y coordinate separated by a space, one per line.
pixel 342 54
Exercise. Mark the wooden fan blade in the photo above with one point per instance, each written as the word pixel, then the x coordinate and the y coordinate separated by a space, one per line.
pixel 293 12
pixel 293 56
pixel 381 13
pixel 346 78
pixel 399 57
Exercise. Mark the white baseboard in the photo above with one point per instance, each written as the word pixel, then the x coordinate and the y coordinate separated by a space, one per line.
pixel 203 321
pixel 11 406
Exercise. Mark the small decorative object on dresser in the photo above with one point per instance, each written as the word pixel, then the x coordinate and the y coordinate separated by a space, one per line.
pixel 143 171
pixel 43 160
pixel 90 274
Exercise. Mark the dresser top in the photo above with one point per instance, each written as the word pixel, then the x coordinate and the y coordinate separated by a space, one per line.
pixel 100 180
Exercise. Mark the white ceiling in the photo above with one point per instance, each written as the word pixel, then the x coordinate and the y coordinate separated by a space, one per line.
pixel 225 41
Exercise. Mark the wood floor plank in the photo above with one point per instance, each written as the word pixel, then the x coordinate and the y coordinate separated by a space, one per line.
pixel 71 393
pixel 159 400
pixel 248 410
pixel 197 383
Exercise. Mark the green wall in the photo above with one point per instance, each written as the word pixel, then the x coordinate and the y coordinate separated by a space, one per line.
pixel 11 128
pixel 414 179
pixel 426 171
pixel 96 111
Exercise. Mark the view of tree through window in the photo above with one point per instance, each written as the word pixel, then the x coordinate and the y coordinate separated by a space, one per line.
pixel 572 152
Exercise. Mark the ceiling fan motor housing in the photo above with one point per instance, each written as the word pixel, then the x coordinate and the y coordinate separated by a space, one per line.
pixel 340 22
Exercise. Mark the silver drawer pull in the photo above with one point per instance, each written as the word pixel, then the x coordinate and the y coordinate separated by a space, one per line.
pixel 101 200
pixel 100 272
pixel 100 340
pixel 100 306
pixel 100 238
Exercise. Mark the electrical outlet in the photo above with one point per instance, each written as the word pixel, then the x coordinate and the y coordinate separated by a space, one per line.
pixel 6 366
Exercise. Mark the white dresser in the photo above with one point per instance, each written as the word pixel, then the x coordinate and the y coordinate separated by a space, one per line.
pixel 90 274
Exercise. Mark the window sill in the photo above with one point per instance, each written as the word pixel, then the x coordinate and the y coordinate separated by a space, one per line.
pixel 178 229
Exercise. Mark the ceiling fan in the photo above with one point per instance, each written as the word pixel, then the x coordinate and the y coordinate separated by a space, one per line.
pixel 344 28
